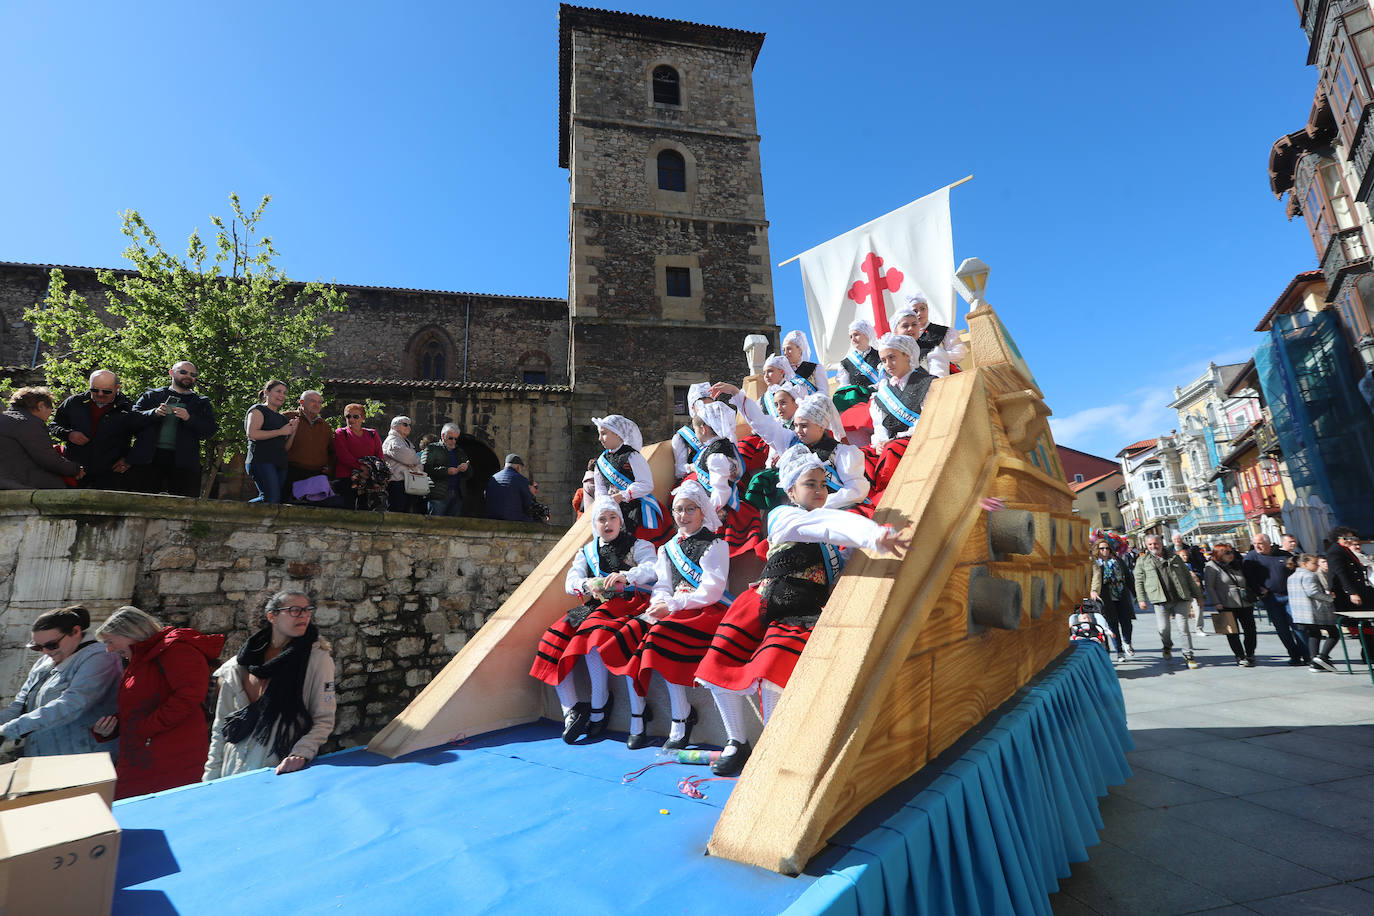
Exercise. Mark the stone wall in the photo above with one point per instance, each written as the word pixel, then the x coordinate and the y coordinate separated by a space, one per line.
pixel 396 595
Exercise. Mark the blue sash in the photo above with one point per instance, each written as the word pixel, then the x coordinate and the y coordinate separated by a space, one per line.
pixel 704 477
pixel 650 510
pixel 892 403
pixel 689 569
pixel 832 479
pixel 870 372
pixel 807 382
pixel 769 407
pixel 691 439
pixel 593 558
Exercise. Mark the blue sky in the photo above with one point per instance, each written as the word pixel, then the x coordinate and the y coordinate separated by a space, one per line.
pixel 1120 150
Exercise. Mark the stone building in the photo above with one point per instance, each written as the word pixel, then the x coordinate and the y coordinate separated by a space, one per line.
pixel 669 267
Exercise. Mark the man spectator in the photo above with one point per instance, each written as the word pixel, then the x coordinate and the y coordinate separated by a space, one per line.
pixel 446 463
pixel 96 428
pixel 311 451
pixel 1168 585
pixel 1266 572
pixel 1348 573
pixel 1290 544
pixel 166 452
pixel 508 492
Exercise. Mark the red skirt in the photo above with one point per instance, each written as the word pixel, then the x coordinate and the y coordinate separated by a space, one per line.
pixel 741 528
pixel 753 451
pixel 563 644
pixel 674 646
pixel 881 464
pixel 747 649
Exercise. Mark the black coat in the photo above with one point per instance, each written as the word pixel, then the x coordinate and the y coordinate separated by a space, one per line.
pixel 1349 577
pixel 200 425
pixel 112 438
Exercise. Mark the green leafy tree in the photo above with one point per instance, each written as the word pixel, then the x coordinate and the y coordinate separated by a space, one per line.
pixel 228 308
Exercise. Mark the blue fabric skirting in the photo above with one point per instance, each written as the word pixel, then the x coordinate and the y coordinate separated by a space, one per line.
pixel 1009 810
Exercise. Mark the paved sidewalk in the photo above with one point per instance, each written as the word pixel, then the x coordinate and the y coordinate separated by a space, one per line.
pixel 1253 789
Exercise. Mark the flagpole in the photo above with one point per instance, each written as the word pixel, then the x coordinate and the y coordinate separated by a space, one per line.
pixel 937 190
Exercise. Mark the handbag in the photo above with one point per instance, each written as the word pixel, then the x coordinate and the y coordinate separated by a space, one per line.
pixel 1224 622
pixel 312 489
pixel 417 483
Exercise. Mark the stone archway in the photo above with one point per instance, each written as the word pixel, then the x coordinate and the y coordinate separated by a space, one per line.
pixel 482 463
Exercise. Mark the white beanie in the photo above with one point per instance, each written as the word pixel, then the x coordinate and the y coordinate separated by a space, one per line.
pixel 819 409
pixel 863 327
pixel 916 298
pixel 904 342
pixel 798 338
pixel 692 491
pixel 795 462
pixel 719 418
pixel 605 504
pixel 622 427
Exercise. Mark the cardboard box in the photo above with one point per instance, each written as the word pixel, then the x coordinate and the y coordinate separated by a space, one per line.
pixel 58 857
pixel 32 780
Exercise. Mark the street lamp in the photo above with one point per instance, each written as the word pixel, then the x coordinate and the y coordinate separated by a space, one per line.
pixel 972 281
pixel 1366 348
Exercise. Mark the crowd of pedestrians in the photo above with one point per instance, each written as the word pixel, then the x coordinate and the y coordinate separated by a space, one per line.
pixel 100 439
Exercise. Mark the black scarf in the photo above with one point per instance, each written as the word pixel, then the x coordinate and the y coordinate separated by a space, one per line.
pixel 282 700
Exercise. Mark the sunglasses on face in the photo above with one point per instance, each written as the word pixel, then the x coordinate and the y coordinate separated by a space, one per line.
pixel 46 646
pixel 353 416
pixel 102 391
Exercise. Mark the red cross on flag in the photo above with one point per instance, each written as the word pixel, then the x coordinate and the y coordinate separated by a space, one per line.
pixel 869 271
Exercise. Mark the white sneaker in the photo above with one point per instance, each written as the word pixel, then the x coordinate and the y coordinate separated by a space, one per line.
pixel 1130 653
pixel 1120 659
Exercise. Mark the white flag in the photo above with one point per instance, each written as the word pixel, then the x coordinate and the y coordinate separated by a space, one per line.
pixel 909 250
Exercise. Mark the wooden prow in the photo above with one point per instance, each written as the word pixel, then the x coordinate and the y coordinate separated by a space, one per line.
pixel 908 655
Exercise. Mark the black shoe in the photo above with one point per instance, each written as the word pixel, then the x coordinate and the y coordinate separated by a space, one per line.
pixel 731 764
pixel 596 728
pixel 576 721
pixel 635 742
pixel 1295 662
pixel 691 720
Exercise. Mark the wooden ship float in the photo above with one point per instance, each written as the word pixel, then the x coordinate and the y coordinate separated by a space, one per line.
pixel 908 655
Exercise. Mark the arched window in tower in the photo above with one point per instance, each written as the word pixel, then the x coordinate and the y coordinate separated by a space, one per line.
pixel 433 361
pixel 672 171
pixel 666 88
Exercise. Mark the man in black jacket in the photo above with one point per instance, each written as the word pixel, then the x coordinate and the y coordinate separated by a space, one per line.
pixel 96 428
pixel 1349 576
pixel 166 453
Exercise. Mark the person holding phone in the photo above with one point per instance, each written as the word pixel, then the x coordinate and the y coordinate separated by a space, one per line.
pixel 165 457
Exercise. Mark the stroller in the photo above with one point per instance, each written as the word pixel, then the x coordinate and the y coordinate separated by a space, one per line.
pixel 1087 622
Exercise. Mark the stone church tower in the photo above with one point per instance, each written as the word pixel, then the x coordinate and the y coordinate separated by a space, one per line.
pixel 669 268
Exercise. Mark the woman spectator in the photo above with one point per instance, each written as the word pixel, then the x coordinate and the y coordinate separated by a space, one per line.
pixel 353 441
pixel 28 460
pixel 276 697
pixel 161 728
pixel 402 458
pixel 269 436
pixel 1112 587
pixel 1314 610
pixel 1226 590
pixel 67 690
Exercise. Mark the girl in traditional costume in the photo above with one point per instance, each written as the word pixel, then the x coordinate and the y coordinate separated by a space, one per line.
pixel 624 476
pixel 613 574
pixel 719 469
pixel 682 616
pixel 940 346
pixel 763 633
pixel 895 406
pixel 797 349
pixel 858 375
pixel 686 445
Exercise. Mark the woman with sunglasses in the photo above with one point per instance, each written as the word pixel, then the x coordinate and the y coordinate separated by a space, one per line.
pixel 67 690
pixel 354 441
pixel 1112 587
pixel 160 724
pixel 276 697
pixel 1227 590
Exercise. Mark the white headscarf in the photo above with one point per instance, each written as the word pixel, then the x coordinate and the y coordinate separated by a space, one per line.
pixel 798 338
pixel 692 491
pixel 865 328
pixel 605 504
pixel 903 312
pixel 719 418
pixel 696 393
pixel 915 298
pixel 819 409
pixel 904 342
pixel 623 427
pixel 795 462
pixel 780 362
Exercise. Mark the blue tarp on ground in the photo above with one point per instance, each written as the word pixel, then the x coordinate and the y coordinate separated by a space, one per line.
pixel 518 822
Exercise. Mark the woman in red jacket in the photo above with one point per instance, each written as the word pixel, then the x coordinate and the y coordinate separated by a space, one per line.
pixel 163 738
pixel 353 441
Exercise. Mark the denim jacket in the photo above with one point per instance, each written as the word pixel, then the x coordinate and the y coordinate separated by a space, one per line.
pixel 58 704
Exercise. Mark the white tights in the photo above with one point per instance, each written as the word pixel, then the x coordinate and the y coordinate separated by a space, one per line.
pixel 598 675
